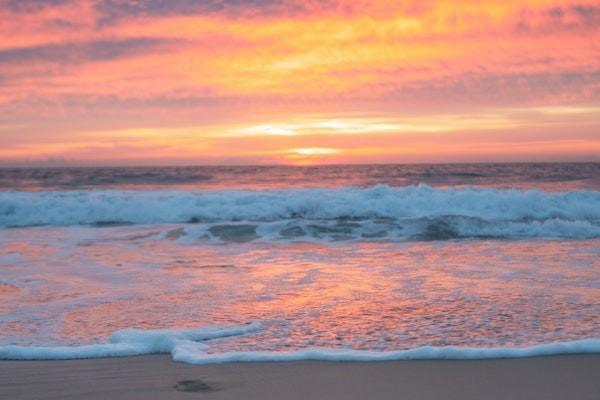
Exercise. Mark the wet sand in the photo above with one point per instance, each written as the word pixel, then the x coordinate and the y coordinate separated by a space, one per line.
pixel 157 377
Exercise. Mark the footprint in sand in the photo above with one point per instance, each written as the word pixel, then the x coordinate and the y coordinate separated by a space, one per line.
pixel 197 385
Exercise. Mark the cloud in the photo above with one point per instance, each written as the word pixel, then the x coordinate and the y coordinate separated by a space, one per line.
pixel 27 6
pixel 557 18
pixel 519 87
pixel 69 66
pixel 75 53
pixel 121 8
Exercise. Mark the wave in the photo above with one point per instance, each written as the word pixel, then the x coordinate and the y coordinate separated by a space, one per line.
pixel 131 342
pixel 189 346
pixel 377 212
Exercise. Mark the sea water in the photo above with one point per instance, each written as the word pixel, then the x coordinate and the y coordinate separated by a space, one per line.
pixel 373 262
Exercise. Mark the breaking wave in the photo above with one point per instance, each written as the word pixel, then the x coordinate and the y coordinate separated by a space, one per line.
pixel 374 213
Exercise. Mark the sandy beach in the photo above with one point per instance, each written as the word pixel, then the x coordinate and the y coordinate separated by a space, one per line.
pixel 157 377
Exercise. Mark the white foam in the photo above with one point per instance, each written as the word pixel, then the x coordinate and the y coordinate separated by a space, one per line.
pixel 131 342
pixel 189 346
pixel 419 353
pixel 476 212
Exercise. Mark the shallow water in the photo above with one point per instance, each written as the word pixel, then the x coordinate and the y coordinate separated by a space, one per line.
pixel 68 286
pixel 471 267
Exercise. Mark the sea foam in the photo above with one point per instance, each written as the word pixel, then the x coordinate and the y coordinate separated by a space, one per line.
pixel 191 346
pixel 413 212
pixel 131 342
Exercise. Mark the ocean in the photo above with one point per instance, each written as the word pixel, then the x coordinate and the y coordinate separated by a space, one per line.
pixel 247 263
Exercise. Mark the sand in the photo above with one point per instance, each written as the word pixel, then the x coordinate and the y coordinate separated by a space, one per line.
pixel 157 377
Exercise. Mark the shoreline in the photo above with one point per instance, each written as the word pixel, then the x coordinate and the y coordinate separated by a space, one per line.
pixel 158 377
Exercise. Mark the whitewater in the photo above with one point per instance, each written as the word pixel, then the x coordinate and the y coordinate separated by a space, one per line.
pixel 189 346
pixel 345 263
pixel 378 212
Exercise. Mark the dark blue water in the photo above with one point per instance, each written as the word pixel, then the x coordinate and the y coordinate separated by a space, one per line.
pixel 547 177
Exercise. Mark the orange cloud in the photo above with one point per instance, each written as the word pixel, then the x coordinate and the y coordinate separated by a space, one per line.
pixel 496 134
pixel 256 69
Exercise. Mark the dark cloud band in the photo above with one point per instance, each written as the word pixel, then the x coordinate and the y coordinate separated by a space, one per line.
pixel 73 53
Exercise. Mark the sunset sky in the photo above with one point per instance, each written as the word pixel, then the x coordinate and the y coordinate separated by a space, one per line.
pixel 132 82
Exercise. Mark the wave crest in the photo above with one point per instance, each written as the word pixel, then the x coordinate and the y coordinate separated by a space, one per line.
pixel 416 212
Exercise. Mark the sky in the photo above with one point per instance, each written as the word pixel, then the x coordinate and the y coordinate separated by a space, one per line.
pixel 302 82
